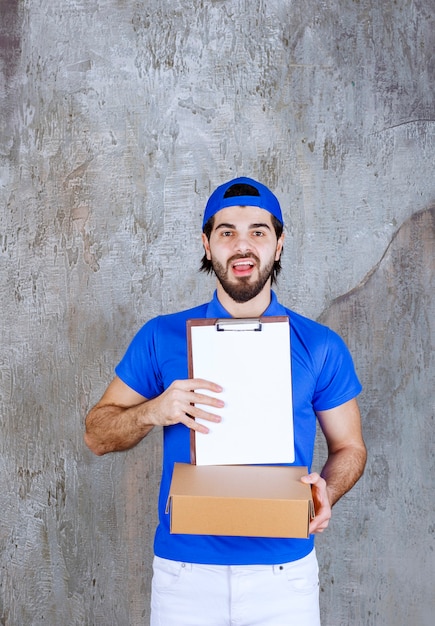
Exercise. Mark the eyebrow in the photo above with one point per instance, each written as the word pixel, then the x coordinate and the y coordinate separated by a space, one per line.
pixel 233 226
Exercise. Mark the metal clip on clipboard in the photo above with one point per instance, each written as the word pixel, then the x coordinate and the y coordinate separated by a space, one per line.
pixel 245 324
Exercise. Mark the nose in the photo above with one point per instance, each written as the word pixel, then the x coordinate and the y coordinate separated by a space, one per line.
pixel 242 244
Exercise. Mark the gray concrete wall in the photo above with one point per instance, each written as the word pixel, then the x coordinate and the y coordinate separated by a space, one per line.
pixel 117 119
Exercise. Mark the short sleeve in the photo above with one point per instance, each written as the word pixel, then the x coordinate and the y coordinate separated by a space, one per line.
pixel 337 381
pixel 139 367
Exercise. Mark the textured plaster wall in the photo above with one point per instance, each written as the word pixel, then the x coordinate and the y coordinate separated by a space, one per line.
pixel 378 558
pixel 117 118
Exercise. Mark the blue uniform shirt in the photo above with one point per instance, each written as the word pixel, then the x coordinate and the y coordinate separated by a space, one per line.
pixel 323 377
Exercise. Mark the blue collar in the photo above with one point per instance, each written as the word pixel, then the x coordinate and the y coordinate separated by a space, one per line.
pixel 216 310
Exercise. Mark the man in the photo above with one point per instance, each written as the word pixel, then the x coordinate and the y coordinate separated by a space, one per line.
pixel 248 581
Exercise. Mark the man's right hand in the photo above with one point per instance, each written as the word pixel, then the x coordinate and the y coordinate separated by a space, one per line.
pixel 178 404
pixel 123 417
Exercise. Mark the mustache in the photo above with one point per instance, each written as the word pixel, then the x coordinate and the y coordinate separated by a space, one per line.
pixel 237 257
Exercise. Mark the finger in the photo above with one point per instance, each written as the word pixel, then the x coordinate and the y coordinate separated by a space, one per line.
pixel 200 383
pixel 199 398
pixel 311 479
pixel 316 531
pixel 190 384
pixel 198 413
pixel 194 425
pixel 317 526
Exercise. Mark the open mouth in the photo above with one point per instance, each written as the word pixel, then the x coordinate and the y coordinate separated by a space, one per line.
pixel 242 267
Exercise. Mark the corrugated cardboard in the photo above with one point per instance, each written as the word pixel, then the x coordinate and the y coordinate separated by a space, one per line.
pixel 243 500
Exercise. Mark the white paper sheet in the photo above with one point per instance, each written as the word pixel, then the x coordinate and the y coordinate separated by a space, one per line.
pixel 254 369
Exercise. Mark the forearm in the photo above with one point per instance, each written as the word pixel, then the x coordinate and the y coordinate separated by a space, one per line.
pixel 123 417
pixel 343 469
pixel 112 428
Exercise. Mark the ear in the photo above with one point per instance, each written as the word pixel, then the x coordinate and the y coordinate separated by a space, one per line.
pixel 279 247
pixel 206 244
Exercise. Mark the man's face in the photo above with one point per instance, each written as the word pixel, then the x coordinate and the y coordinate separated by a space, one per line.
pixel 243 249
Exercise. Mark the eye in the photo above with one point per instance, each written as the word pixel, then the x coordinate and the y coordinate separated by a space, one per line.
pixel 258 233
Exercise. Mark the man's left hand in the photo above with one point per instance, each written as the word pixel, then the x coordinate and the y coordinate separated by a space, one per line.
pixel 322 505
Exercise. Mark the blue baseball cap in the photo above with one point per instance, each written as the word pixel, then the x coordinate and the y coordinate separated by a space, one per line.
pixel 228 194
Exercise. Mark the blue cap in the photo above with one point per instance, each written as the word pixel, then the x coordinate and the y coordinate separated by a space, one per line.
pixel 224 197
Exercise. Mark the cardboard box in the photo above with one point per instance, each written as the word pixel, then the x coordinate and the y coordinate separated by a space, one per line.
pixel 240 500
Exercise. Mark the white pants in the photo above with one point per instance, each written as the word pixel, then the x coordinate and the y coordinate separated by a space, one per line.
pixel 187 594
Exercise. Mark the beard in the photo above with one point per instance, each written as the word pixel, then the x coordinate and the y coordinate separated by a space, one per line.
pixel 243 290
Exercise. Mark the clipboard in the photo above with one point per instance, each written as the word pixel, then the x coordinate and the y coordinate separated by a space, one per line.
pixel 251 360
